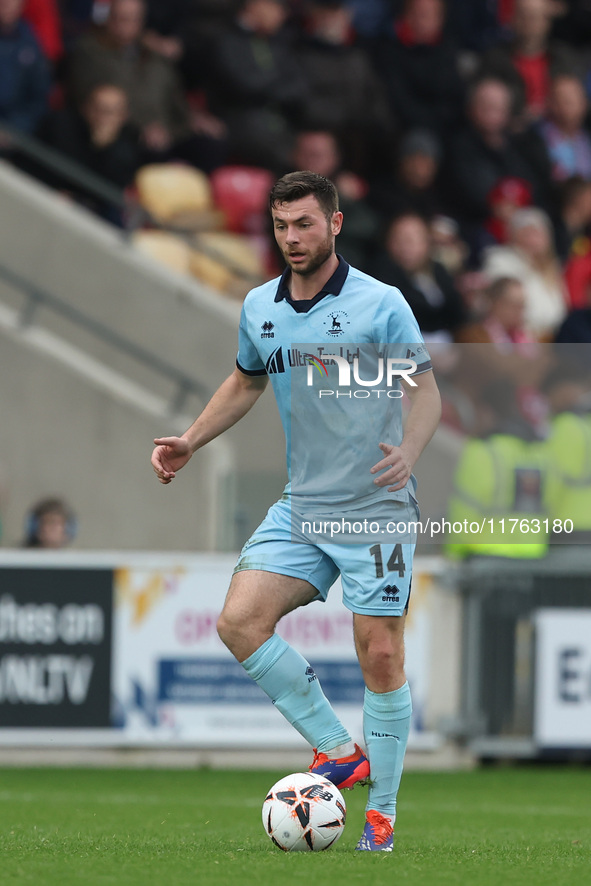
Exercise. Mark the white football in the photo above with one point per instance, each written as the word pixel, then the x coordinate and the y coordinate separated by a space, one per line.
pixel 304 813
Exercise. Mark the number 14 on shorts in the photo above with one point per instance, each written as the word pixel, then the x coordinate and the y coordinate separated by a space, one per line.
pixel 395 561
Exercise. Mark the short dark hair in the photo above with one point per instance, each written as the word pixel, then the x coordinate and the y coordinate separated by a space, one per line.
pixel 296 185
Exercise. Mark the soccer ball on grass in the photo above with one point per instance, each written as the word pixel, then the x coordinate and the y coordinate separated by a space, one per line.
pixel 304 813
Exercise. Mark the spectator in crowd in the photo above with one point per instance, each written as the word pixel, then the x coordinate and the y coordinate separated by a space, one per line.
pixel 529 61
pixel 576 329
pixel 504 318
pixel 428 288
pixel 483 153
pixel 99 137
pixel 256 86
pixel 562 128
pixel 176 15
pixel 185 31
pixel 497 345
pixel 113 53
pixel 530 257
pixel 473 287
pixel 78 15
pixel 573 223
pixel 44 18
pixel 418 64
pixel 166 26
pixel 24 71
pixel 573 231
pixel 478 24
pixel 572 22
pixel 371 17
pixel 508 195
pixel 577 276
pixel 182 31
pixel 318 151
pixel 51 524
pixel 447 246
pixel 345 95
pixel 414 186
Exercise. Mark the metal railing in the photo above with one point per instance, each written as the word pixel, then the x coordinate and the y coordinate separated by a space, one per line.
pixel 69 169
pixel 36 298
pixel 134 214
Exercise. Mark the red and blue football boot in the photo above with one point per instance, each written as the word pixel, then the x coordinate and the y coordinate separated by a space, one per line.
pixel 378 833
pixel 344 772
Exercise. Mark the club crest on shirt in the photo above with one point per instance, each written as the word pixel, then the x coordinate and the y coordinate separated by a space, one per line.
pixel 336 322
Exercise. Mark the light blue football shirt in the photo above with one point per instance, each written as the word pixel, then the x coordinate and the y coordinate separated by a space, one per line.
pixel 333 429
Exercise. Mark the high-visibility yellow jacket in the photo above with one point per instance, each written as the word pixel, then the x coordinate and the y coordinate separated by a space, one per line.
pixel 500 486
pixel 569 449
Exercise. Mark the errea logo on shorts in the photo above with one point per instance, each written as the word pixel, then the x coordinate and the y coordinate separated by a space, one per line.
pixel 390 594
pixel 388 372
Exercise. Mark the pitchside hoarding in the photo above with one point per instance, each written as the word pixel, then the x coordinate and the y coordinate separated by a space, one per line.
pixel 112 649
pixel 174 679
pixel 55 647
pixel 563 678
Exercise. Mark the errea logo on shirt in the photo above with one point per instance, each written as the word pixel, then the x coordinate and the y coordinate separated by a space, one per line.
pixel 268 328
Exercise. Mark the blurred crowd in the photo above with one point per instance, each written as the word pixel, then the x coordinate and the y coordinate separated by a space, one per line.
pixel 459 137
pixel 458 133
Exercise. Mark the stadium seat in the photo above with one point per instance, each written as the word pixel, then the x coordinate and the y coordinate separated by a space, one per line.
pixel 176 195
pixel 165 248
pixel 229 263
pixel 242 192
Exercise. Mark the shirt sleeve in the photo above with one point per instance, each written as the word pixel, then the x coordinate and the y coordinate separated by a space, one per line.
pixel 397 332
pixel 248 360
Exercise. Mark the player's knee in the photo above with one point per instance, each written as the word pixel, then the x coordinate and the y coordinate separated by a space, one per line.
pixel 228 629
pixel 381 659
pixel 241 636
pixel 382 650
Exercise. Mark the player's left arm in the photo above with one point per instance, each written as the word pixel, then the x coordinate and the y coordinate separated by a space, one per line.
pixel 421 423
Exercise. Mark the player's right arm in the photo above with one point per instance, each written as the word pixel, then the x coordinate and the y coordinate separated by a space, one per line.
pixel 232 400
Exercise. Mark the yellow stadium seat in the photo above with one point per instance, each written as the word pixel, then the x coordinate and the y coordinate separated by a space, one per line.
pixel 230 263
pixel 176 195
pixel 172 251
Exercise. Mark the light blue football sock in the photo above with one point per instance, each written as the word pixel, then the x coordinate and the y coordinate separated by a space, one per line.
pixel 293 687
pixel 386 724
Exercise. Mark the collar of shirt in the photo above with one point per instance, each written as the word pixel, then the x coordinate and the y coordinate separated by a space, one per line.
pixel 332 286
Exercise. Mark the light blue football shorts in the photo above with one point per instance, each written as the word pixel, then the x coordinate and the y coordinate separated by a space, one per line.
pixel 376 578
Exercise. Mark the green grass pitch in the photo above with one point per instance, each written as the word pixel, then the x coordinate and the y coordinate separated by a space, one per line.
pixel 71 827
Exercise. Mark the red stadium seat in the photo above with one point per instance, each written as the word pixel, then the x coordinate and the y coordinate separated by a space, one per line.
pixel 242 192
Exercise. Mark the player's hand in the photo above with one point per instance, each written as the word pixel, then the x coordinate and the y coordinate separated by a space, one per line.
pixel 396 467
pixel 171 454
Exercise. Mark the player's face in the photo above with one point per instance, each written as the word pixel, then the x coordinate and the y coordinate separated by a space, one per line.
pixel 304 234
